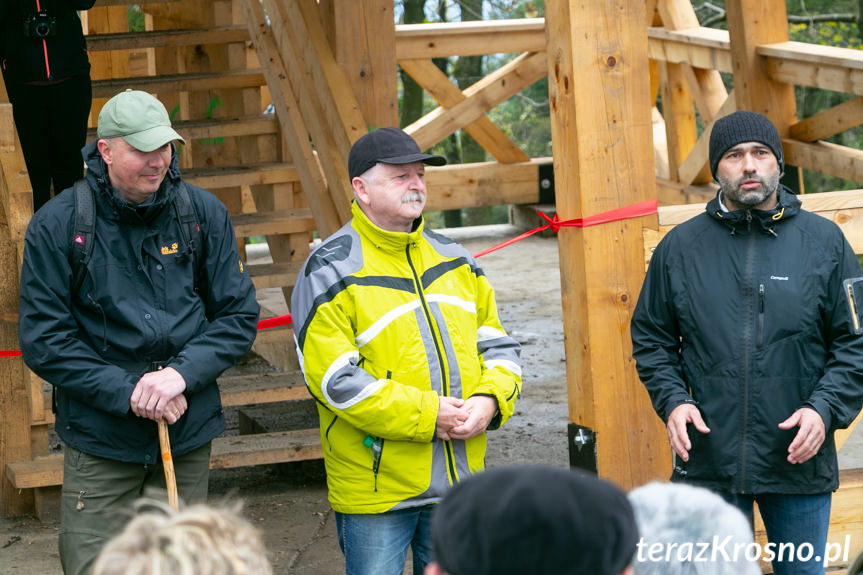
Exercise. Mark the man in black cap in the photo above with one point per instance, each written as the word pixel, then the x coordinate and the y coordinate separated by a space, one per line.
pixel 746 345
pixel 534 519
pixel 399 339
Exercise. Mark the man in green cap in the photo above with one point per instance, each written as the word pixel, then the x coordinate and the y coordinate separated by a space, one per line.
pixel 133 300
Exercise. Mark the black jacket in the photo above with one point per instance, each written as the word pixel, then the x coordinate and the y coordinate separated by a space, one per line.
pixel 34 59
pixel 137 305
pixel 743 314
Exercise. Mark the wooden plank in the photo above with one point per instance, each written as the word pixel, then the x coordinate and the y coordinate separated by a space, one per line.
pixel 7 128
pixel 483 184
pixel 106 65
pixel 481 97
pixel 166 38
pixel 273 222
pixel 472 38
pixel 180 82
pixel 282 274
pixel 364 45
pixel 220 127
pixel 705 48
pixel 230 176
pixel 447 94
pixel 829 122
pixel 292 122
pixel 227 452
pixel 826 158
pixel 752 23
pixel 603 159
pixel 262 388
pixel 678 107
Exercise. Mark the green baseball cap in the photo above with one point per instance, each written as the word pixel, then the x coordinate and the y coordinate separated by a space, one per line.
pixel 138 118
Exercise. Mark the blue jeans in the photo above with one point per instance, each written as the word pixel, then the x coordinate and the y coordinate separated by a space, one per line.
pixel 377 544
pixel 801 520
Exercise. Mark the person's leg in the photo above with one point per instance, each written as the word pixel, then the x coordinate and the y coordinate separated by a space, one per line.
pixel 745 503
pixel 32 121
pixel 70 108
pixel 376 544
pixel 421 545
pixel 96 502
pixel 192 471
pixel 797 526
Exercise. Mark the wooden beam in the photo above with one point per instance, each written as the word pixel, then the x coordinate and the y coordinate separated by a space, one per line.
pixel 829 122
pixel 292 122
pixel 697 162
pixel 483 184
pixel 826 158
pixel 166 38
pixel 364 42
pixel 603 159
pixel 752 23
pixel 447 94
pixel 706 48
pixel 473 38
pixel 678 110
pixel 180 82
pixel 814 65
pixel 481 97
pixel 329 109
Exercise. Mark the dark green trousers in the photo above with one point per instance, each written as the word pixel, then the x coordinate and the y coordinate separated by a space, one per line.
pixel 98 498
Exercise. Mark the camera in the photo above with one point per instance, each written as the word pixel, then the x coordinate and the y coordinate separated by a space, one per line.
pixel 40 25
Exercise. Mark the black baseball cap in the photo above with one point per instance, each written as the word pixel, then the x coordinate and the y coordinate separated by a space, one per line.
pixel 387 146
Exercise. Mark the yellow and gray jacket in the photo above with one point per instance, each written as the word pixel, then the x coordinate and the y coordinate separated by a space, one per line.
pixel 385 323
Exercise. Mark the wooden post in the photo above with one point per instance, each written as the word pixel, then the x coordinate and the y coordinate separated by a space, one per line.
pixel 363 38
pixel 599 89
pixel 750 24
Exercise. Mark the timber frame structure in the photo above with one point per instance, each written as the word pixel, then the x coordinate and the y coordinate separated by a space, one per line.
pixel 328 68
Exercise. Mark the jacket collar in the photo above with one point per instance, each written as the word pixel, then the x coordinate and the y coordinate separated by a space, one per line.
pixel 115 207
pixel 392 241
pixel 767 221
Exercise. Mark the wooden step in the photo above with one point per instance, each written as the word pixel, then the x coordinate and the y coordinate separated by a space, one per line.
pixel 274 275
pixel 211 178
pixel 230 451
pixel 180 82
pixel 166 38
pixel 272 223
pixel 262 388
pixel 220 127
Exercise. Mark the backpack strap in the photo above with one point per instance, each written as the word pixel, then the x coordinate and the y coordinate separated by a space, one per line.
pixel 189 228
pixel 84 232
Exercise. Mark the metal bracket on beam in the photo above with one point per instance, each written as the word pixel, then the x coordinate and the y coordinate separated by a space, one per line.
pixel 546 184
pixel 582 447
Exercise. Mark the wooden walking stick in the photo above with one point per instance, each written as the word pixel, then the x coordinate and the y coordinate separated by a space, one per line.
pixel 168 464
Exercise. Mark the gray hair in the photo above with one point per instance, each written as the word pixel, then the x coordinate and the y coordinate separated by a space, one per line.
pixel 683 530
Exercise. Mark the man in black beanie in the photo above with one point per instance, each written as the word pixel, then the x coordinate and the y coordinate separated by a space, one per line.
pixel 533 520
pixel 745 342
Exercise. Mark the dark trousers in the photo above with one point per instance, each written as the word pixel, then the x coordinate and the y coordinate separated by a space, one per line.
pixel 52 126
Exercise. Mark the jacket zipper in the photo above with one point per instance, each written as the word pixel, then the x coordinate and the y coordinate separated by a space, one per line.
pixel 444 378
pixel 747 347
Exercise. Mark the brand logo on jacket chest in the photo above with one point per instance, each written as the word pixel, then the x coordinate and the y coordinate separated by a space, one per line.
pixel 169 250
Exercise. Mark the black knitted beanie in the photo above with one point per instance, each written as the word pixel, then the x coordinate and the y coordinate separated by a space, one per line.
pixel 743 126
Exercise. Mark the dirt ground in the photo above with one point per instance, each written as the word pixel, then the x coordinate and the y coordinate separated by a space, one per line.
pixel 288 502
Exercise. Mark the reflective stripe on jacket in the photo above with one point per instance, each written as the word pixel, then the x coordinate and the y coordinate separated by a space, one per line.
pixel 385 323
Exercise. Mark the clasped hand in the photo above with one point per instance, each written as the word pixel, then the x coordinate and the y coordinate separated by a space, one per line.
pixel 462 419
pixel 159 395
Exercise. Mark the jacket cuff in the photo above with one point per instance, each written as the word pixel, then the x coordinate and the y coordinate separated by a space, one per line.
pixel 428 417
pixel 822 409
